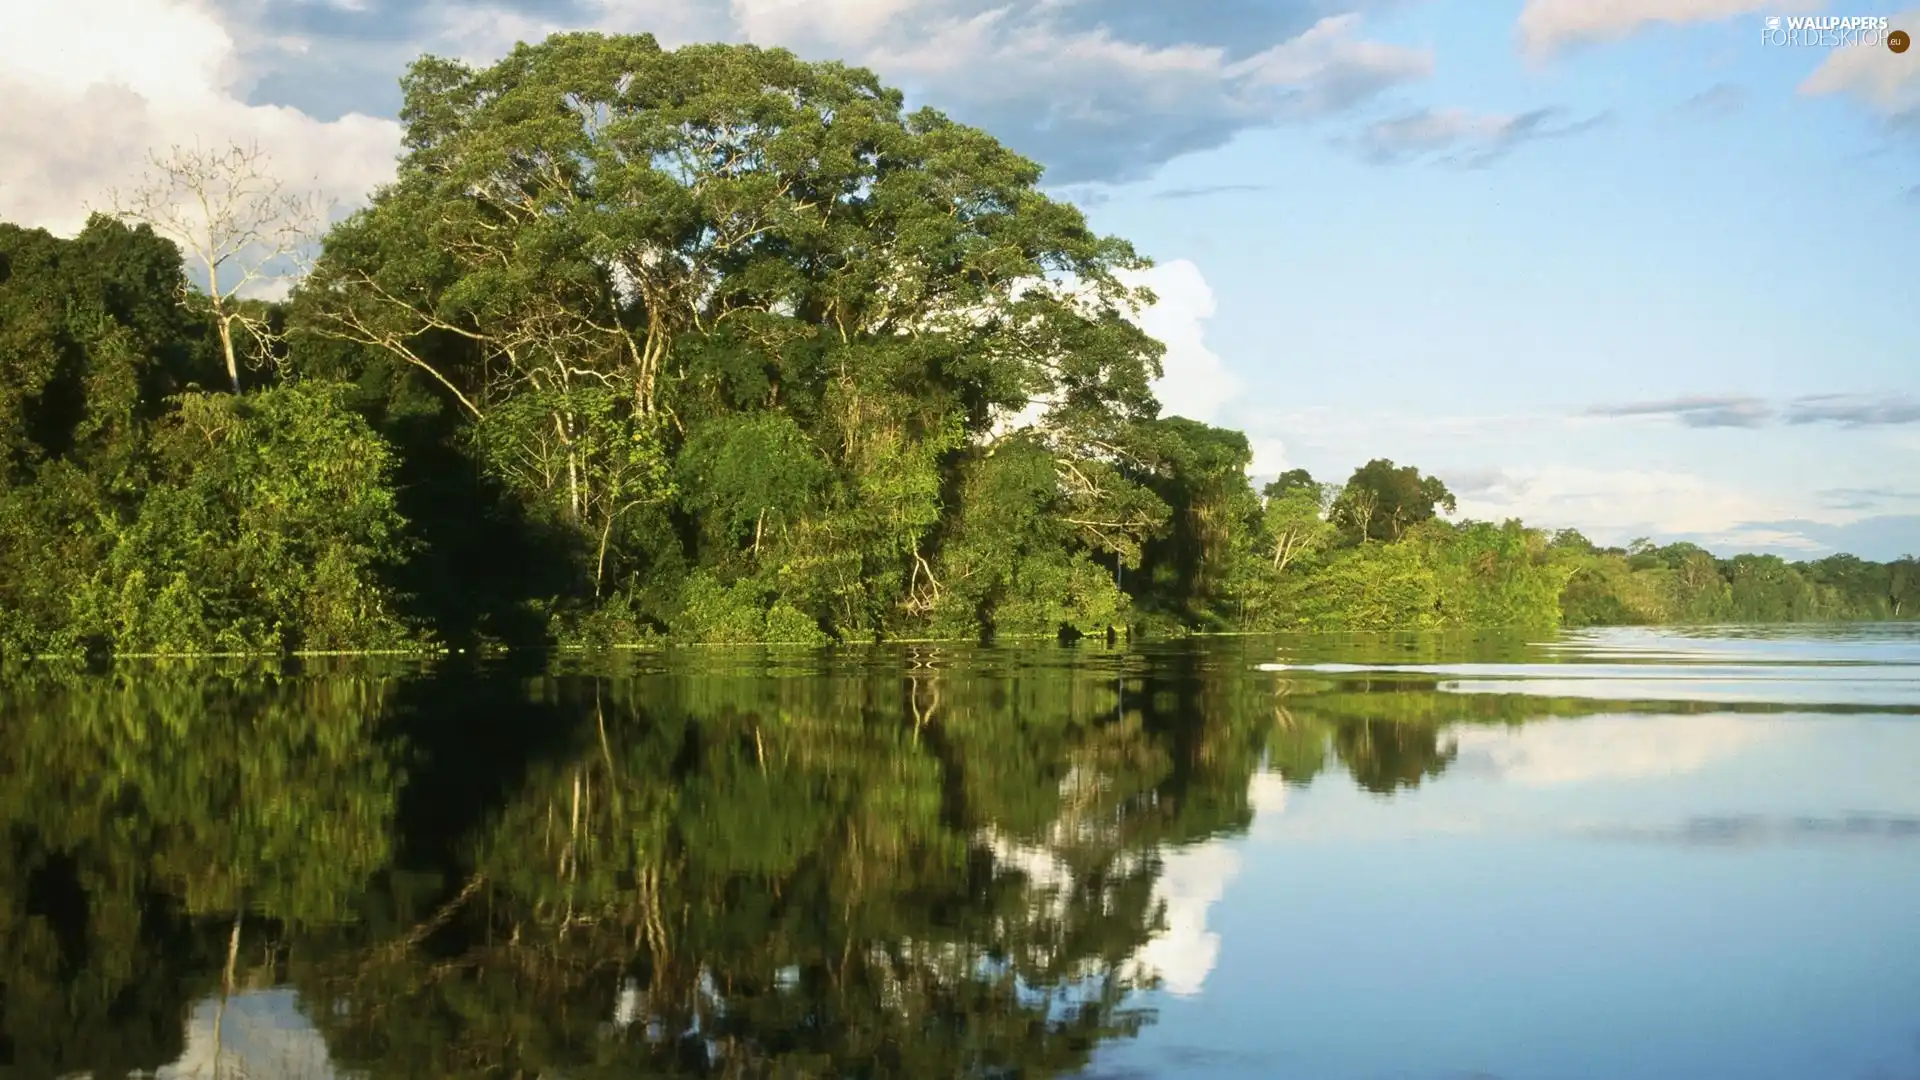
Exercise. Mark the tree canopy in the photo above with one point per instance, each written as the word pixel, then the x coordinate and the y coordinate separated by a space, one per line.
pixel 1381 501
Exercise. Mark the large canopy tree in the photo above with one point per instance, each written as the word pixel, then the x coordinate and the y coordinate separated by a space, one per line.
pixel 599 242
pixel 1381 501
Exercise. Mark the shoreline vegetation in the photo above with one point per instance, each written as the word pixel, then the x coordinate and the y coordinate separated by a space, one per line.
pixel 705 345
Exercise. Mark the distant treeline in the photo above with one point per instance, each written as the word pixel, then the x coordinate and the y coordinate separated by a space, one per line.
pixel 712 344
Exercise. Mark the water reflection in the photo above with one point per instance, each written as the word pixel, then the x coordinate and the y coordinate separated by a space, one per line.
pixel 251 1034
pixel 919 862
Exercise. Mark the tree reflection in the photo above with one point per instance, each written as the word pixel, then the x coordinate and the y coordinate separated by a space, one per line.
pixel 1385 756
pixel 143 816
pixel 942 867
pixel 737 876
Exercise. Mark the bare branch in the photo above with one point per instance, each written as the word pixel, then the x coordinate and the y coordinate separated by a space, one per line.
pixel 236 224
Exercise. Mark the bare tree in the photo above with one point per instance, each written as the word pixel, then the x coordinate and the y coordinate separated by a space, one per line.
pixel 236 222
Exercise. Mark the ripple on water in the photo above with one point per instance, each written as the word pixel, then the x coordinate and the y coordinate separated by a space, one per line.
pixel 1872 668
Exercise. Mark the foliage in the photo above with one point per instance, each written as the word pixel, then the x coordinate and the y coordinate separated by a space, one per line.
pixel 712 344
pixel 1294 511
pixel 1008 566
pixel 834 303
pixel 1683 584
pixel 1498 575
pixel 268 526
pixel 1381 501
pixel 1368 587
pixel 1201 564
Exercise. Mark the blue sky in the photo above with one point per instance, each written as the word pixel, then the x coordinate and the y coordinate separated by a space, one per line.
pixel 1610 264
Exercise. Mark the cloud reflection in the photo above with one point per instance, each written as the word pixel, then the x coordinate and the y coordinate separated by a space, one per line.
pixel 256 1033
pixel 1554 752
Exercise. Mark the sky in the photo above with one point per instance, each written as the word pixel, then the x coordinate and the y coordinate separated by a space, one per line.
pixel 1616 265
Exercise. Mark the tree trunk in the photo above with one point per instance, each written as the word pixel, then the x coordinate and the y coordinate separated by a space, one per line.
pixel 226 348
pixel 600 563
pixel 564 430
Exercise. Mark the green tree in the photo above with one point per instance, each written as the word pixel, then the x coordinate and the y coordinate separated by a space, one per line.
pixel 1381 501
pixel 1370 587
pixel 1201 562
pixel 1008 565
pixel 92 343
pixel 1294 509
pixel 270 526
pixel 1851 587
pixel 1573 540
pixel 1497 576
pixel 1903 586
pixel 1764 588
pixel 719 231
pixel 714 343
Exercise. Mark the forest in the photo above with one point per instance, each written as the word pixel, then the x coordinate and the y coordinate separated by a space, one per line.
pixel 703 345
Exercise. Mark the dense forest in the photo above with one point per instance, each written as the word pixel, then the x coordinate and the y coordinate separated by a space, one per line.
pixel 710 344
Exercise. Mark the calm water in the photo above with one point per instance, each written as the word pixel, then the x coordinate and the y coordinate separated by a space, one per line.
pixel 1625 854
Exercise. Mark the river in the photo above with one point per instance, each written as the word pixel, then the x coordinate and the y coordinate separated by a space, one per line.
pixel 1622 853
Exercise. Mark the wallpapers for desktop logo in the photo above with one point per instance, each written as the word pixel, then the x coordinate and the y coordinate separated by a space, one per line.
pixel 1835 32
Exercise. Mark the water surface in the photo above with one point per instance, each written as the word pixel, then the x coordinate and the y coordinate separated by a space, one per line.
pixel 1627 853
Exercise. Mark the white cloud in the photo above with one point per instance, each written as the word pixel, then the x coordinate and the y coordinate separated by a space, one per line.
pixel 1885 80
pixel 481 33
pixel 1461 137
pixel 1340 424
pixel 1053 79
pixel 156 49
pixel 1282 440
pixel 93 86
pixel 1327 64
pixel 840 21
pixel 1615 505
pixel 1195 382
pixel 1758 538
pixel 1270 456
pixel 1546 26
pixel 1431 129
pixel 1573 471
pixel 1334 67
pixel 1098 105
